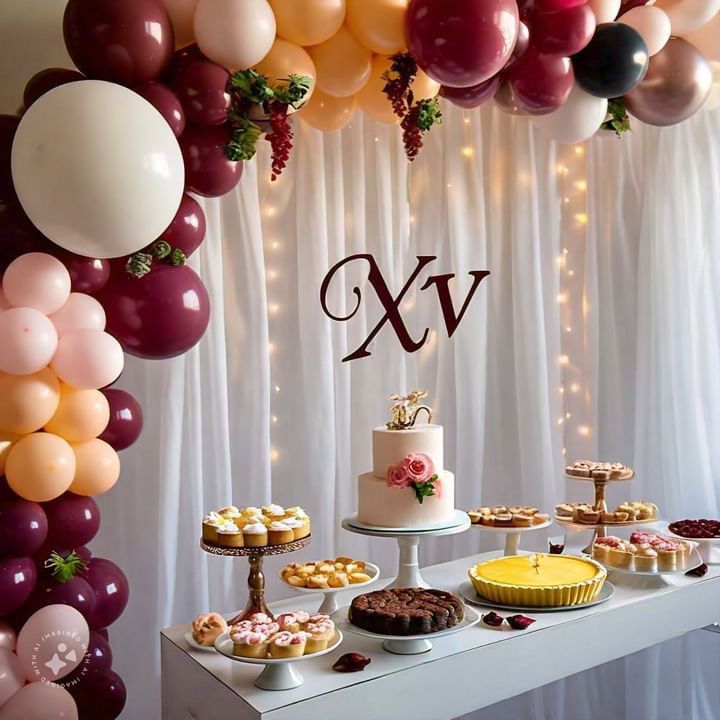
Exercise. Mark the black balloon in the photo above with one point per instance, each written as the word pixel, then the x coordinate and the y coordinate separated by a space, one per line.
pixel 613 62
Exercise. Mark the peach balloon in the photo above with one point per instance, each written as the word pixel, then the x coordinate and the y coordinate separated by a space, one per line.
pixel 40 467
pixel 373 101
pixel 7 440
pixel 181 14
pixel 688 15
pixel 378 24
pixel 342 64
pixel 605 10
pixel 81 414
pixel 98 468
pixel 236 34
pixel 80 312
pixel 652 23
pixel 29 341
pixel 328 113
pixel 89 359
pixel 38 281
pixel 285 59
pixel 707 38
pixel 38 701
pixel 27 402
pixel 308 22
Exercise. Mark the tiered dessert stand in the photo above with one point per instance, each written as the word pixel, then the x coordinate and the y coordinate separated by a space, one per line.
pixel 408 540
pixel 256 579
pixel 512 534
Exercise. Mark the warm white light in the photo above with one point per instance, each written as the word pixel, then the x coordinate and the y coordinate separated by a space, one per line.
pixel 271 348
pixel 564 360
pixel 377 139
pixel 564 451
pixel 272 274
pixel 274 418
pixel 574 388
pixel 449 185
pixel 277 388
pixel 581 185
pixel 582 218
pixel 571 273
pixel 583 430
pixel 568 329
pixel 275 245
pixel 270 210
pixel 274 308
pixel 467 151
pixel 568 416
pixel 274 454
pixel 466 120
pixel 561 390
pixel 560 421
pixel 561 298
pixel 579 150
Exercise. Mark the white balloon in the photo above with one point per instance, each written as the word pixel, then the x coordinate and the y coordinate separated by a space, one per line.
pixel 713 99
pixel 576 120
pixel 688 15
pixel 97 169
pixel 605 10
pixel 652 23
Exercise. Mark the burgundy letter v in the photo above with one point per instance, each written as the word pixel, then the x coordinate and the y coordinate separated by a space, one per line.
pixel 443 290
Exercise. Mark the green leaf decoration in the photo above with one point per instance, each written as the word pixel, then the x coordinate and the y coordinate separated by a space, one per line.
pixel 161 249
pixel 139 264
pixel 64 569
pixel 425 489
pixel 429 114
pixel 177 257
pixel 619 120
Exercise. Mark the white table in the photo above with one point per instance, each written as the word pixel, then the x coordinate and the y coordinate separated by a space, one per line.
pixel 462 673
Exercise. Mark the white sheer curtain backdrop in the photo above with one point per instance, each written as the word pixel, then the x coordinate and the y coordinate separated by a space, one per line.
pixel 264 408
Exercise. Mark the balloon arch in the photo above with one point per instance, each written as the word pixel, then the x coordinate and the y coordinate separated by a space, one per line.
pixel 170 97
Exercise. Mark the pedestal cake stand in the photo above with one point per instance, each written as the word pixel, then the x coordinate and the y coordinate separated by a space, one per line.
pixel 408 540
pixel 256 579
pixel 512 534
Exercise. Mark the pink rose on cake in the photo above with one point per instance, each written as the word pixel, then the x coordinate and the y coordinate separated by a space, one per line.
pixel 397 476
pixel 419 467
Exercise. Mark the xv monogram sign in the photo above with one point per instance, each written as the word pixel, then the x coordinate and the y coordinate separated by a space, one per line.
pixel 392 304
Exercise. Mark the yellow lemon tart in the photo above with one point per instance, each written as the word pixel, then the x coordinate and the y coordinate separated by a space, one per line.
pixel 539 580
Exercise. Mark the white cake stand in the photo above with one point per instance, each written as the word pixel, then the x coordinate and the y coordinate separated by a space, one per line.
pixel 278 673
pixel 512 534
pixel 406 644
pixel 408 540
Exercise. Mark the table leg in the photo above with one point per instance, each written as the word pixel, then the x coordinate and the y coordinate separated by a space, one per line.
pixel 409 566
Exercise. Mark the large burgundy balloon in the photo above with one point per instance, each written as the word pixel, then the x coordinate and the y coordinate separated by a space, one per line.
pixel 76 592
pixel 187 54
pixel 17 234
pixel 23 527
pixel 100 697
pixel 166 102
pixel 202 86
pixel 160 315
pixel 552 5
pixel 471 97
pixel 98 659
pixel 46 80
pixel 187 230
pixel 208 170
pixel 74 520
pixel 124 42
pixel 126 419
pixel 522 45
pixel 8 126
pixel 18 578
pixel 540 83
pixel 111 592
pixel 563 32
pixel 460 43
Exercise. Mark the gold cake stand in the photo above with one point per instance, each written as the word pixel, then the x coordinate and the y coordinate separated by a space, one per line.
pixel 256 578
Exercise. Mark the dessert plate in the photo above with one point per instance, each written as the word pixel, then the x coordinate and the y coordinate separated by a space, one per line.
pixel 692 563
pixel 709 548
pixel 468 592
pixel 195 645
pixel 460 517
pixel 405 644
pixel 593 526
pixel 629 475
pixel 278 673
pixel 512 528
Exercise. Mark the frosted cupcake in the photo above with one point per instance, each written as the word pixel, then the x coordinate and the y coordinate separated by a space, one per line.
pixel 251 511
pixel 297 512
pixel 249 643
pixel 210 524
pixel 274 512
pixel 230 512
pixel 230 535
pixel 255 535
pixel 279 533
pixel 297 526
pixel 321 630
pixel 286 644
pixel 292 621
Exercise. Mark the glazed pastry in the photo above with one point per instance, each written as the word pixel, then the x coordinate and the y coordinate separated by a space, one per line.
pixel 210 524
pixel 564 510
pixel 324 574
pixel 646 560
pixel 249 643
pixel 320 630
pixel 230 535
pixel 279 533
pixel 475 517
pixel 288 644
pixel 207 628
pixel 503 519
pixel 520 520
pixel 498 510
pixel 321 582
pixel 488 519
pixel 255 535
pixel 607 517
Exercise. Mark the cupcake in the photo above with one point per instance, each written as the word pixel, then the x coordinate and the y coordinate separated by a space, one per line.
pixel 297 526
pixel 302 516
pixel 210 524
pixel 279 533
pixel 619 557
pixel 667 557
pixel 601 553
pixel 274 512
pixel 251 511
pixel 646 560
pixel 255 535
pixel 249 643
pixel 488 519
pixel 292 621
pixel 320 630
pixel 230 512
pixel 230 535
pixel 288 644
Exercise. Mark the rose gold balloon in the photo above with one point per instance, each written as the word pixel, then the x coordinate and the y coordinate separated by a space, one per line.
pixel 98 468
pixel 342 64
pixel 328 113
pixel 677 84
pixel 707 39
pixel 378 24
pixel 688 15
pixel 8 638
pixel 308 22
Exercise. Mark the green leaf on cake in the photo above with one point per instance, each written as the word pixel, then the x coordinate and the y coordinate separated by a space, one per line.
pixel 425 489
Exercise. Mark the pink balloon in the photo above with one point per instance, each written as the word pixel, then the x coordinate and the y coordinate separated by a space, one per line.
pixel 89 359
pixel 29 341
pixel 80 312
pixel 8 638
pixel 38 281
pixel 52 643
pixel 4 304
pixel 12 677
pixel 39 701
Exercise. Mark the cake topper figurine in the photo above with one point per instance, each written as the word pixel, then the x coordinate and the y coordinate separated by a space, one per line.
pixel 405 409
pixel 535 562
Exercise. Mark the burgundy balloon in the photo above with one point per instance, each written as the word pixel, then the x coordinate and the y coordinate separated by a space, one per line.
pixel 563 32
pixel 160 315
pixel 471 97
pixel 8 126
pixel 87 275
pixel 208 170
pixel 17 234
pixel 74 520
pixel 187 230
pixel 522 45
pixel 23 527
pixel 551 5
pixel 505 99
pixel 100 697
pixel 111 592
pixel 166 102
pixel 540 83
pixel 124 42
pixel 18 578
pixel 103 633
pixel 76 592
pixel 98 659
pixel 460 43
pixel 126 419
pixel 181 57
pixel 46 80
pixel 201 86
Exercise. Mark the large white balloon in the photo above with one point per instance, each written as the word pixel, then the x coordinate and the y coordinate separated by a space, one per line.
pixel 576 120
pixel 688 15
pixel 652 23
pixel 97 169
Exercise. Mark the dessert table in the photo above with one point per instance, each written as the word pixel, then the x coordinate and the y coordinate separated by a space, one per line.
pixel 485 665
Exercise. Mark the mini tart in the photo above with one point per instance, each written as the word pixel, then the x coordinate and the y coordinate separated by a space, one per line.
pixel 279 533
pixel 320 630
pixel 560 580
pixel 601 552
pixel 255 535
pixel 667 559
pixel 230 536
pixel 274 512
pixel 249 643
pixel 646 560
pixel 288 644
pixel 230 512
pixel 210 524
pixel 619 557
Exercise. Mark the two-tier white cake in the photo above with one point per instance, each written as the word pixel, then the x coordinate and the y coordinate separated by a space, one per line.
pixel 408 486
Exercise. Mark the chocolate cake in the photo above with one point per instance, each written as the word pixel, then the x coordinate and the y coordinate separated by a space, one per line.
pixel 406 611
